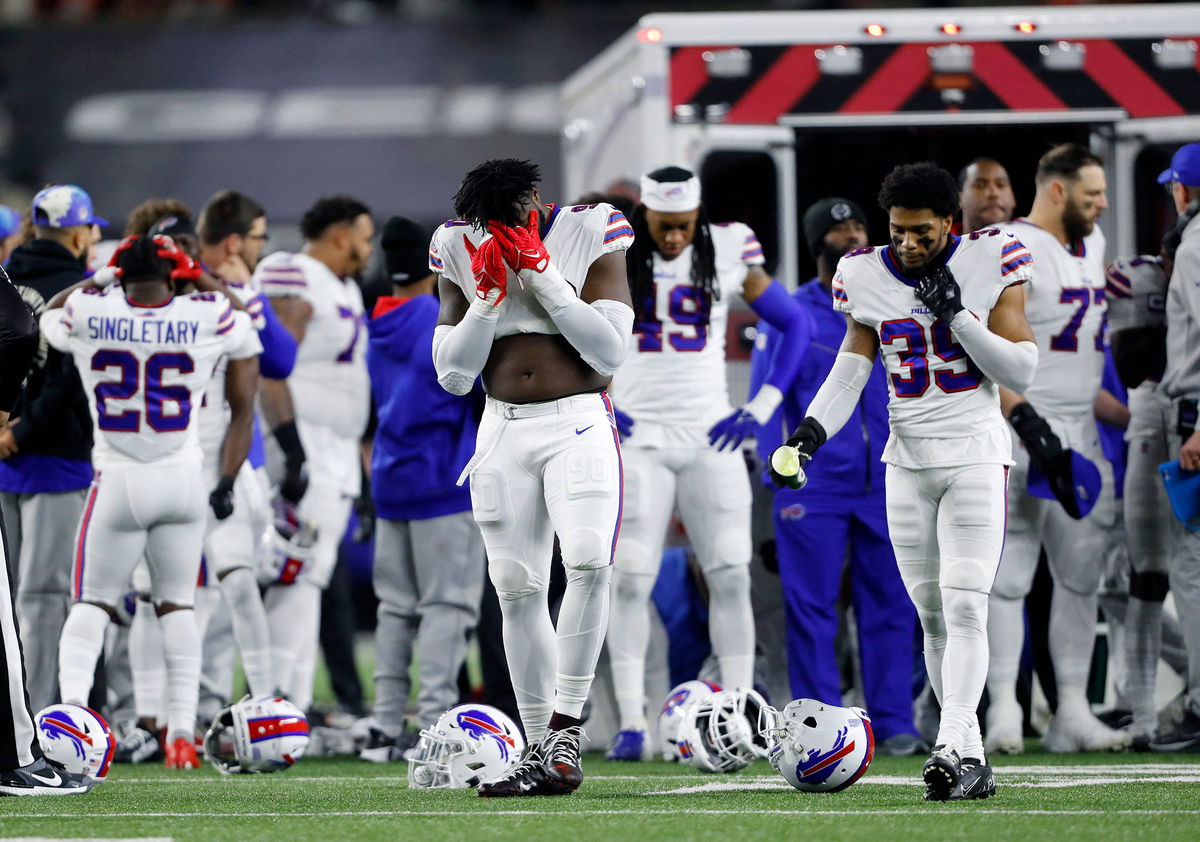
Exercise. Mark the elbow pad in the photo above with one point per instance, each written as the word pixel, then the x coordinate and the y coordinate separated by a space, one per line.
pixel 452 379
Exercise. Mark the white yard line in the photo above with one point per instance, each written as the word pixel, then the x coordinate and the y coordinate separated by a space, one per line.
pixel 561 814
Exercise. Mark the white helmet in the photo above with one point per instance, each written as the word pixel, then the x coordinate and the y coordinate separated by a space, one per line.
pixel 674 711
pixel 721 734
pixel 469 744
pixel 77 738
pixel 290 546
pixel 819 747
pixel 256 735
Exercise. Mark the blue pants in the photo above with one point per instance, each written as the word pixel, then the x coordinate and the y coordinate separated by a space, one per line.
pixel 813 530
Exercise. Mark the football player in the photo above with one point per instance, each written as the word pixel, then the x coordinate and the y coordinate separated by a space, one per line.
pixel 317 414
pixel 681 449
pixel 1053 421
pixel 145 356
pixel 534 298
pixel 947 313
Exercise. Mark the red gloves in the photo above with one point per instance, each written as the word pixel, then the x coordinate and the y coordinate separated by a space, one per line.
pixel 487 265
pixel 522 247
pixel 185 269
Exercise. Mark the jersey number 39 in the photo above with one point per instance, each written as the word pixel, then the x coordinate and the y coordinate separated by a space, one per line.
pixel 914 357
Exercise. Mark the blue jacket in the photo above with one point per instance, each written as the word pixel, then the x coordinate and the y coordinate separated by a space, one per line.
pixel 425 434
pixel 848 463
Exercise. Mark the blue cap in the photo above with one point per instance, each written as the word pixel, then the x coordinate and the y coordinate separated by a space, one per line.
pixel 1183 490
pixel 64 206
pixel 1077 493
pixel 10 221
pixel 1185 166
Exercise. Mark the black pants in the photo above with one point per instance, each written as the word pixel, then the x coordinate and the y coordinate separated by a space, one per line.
pixel 17 734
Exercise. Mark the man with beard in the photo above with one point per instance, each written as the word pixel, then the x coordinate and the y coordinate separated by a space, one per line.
pixel 815 528
pixel 1055 437
pixel 317 415
pixel 46 449
pixel 986 195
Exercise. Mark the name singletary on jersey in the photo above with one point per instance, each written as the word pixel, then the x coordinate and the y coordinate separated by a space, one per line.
pixel 145 369
pixel 935 391
pixel 574 235
pixel 329 382
pixel 675 376
pixel 1065 307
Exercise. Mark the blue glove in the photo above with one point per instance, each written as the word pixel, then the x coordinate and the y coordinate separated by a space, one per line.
pixel 624 424
pixel 732 430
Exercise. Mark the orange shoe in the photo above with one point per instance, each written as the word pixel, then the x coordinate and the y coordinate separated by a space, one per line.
pixel 181 754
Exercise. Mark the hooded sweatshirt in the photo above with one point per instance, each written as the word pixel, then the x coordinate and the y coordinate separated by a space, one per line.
pixel 425 435
pixel 54 438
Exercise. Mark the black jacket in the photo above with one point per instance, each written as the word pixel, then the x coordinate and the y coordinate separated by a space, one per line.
pixel 53 409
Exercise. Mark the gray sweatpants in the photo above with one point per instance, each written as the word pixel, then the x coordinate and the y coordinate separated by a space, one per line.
pixel 41 539
pixel 429 580
pixel 1185 588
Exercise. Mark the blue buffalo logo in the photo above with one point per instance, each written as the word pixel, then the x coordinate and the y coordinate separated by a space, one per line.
pixel 59 726
pixel 479 725
pixel 818 765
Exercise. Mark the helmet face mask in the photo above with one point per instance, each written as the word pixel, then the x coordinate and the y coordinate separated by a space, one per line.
pixel 819 747
pixel 266 734
pixel 469 744
pixel 76 738
pixel 675 711
pixel 720 733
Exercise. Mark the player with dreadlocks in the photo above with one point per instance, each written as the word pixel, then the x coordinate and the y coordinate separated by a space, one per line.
pixel 681 438
pixel 534 298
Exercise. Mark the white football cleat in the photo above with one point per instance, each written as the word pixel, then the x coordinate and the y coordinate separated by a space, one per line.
pixel 1074 730
pixel 1005 733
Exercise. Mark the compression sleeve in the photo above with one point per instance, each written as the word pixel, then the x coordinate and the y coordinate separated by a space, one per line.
pixel 834 402
pixel 777 307
pixel 279 346
pixel 1009 364
pixel 461 351
pixel 787 355
pixel 601 332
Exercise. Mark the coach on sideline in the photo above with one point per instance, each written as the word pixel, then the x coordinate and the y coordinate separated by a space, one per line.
pixel 1181 382
pixel 23 770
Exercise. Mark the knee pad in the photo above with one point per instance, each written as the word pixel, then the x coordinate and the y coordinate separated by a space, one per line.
pixel 511 576
pixel 1149 587
pixel 926 597
pixel 583 549
pixel 965 610
pixel 732 579
pixel 967 574
pixel 732 547
pixel 240 587
pixel 630 587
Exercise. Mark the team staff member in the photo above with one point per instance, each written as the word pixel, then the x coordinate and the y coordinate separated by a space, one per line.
pixel 986 195
pixel 845 508
pixel 23 770
pixel 47 448
pixel 1182 384
pixel 429 560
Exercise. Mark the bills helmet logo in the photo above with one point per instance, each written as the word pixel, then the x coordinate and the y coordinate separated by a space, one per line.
pixel 680 697
pixel 60 726
pixel 818 765
pixel 479 725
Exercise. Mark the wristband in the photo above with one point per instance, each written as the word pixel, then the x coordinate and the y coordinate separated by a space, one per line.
pixel 288 438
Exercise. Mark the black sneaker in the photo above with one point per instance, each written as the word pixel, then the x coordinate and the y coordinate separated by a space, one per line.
pixel 562 765
pixel 526 778
pixel 941 773
pixel 975 780
pixel 381 748
pixel 137 745
pixel 1183 737
pixel 42 778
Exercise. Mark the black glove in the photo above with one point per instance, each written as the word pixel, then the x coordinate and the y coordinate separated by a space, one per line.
pixel 940 293
pixel 221 499
pixel 1045 449
pixel 809 435
pixel 295 475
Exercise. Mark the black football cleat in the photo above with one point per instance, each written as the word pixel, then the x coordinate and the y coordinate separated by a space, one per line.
pixel 941 773
pixel 526 778
pixel 41 777
pixel 975 780
pixel 562 766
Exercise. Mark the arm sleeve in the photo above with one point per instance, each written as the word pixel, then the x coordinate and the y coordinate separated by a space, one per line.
pixel 278 344
pixel 600 331
pixel 834 402
pixel 776 307
pixel 787 355
pixel 461 351
pixel 18 343
pixel 1010 364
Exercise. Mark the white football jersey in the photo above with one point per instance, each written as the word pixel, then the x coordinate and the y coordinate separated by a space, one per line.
pixel 675 376
pixel 329 382
pixel 145 369
pixel 1065 308
pixel 935 391
pixel 1136 291
pixel 574 235
pixel 214 410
